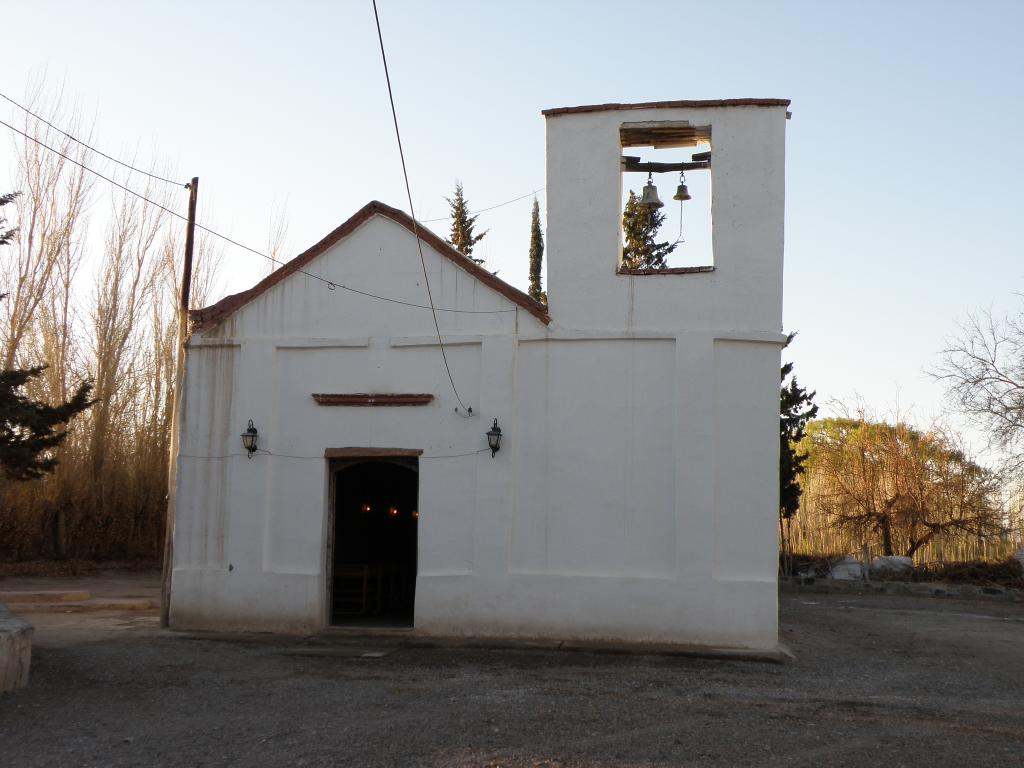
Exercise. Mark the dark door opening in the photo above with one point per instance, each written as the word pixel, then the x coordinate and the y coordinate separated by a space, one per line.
pixel 374 554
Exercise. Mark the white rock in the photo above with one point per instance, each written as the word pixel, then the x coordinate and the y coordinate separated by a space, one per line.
pixel 847 569
pixel 891 565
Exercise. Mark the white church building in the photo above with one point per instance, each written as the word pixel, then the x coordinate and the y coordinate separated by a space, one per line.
pixel 633 495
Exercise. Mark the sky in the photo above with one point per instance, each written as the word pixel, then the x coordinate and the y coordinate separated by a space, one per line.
pixel 904 158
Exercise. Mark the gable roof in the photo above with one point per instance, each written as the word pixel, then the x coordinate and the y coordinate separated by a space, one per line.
pixel 204 318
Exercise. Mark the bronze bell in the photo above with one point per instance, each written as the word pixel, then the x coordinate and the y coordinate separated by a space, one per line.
pixel 649 198
pixel 682 193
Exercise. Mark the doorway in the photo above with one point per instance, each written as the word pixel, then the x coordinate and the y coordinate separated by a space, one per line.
pixel 373 557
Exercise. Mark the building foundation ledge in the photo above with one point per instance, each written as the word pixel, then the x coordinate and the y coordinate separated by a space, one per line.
pixel 778 655
pixel 335 641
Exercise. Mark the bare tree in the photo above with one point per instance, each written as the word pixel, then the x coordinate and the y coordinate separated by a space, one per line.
pixel 38 320
pixel 123 292
pixel 50 212
pixel 277 237
pixel 896 485
pixel 983 370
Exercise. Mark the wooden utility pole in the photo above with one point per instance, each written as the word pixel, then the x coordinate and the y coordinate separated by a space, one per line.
pixel 179 378
pixel 190 239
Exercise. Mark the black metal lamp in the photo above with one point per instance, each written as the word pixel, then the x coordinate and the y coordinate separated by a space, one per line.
pixel 494 438
pixel 250 439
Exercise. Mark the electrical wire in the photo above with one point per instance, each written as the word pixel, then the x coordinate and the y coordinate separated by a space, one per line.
pixel 62 132
pixel 42 119
pixel 412 211
pixel 321 458
pixel 331 284
pixel 95 173
pixel 490 208
pixel 455 455
pixel 679 239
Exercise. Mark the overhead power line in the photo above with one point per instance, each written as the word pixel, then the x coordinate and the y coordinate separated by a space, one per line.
pixel 321 456
pixel 412 212
pixel 131 167
pixel 42 119
pixel 331 284
pixel 490 208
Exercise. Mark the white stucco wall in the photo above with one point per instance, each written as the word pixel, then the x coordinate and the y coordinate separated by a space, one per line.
pixel 635 495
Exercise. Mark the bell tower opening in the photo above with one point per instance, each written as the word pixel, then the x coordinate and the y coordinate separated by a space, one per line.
pixel 665 197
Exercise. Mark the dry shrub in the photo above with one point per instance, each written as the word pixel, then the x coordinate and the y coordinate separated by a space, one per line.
pixel 1007 573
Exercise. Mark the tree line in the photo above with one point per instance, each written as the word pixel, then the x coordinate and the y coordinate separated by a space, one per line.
pixel 87 334
pixel 856 478
pixel 464 238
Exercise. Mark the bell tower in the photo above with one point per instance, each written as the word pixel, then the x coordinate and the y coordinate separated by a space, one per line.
pixel 587 158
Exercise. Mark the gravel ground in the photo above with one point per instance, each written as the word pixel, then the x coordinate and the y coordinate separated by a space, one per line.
pixel 899 681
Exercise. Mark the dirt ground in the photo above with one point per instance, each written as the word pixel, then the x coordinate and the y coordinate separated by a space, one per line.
pixel 896 681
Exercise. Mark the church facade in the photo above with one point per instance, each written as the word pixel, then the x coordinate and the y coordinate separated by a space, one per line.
pixel 632 494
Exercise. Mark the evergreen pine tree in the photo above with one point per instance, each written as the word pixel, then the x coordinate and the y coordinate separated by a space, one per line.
pixel 6 234
pixel 462 237
pixel 536 255
pixel 30 430
pixel 640 225
pixel 796 408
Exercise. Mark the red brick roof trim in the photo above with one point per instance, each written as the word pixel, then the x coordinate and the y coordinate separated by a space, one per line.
pixel 207 317
pixel 367 399
pixel 668 105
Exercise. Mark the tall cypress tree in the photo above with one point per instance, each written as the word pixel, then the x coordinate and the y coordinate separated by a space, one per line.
pixel 640 225
pixel 536 255
pixel 462 237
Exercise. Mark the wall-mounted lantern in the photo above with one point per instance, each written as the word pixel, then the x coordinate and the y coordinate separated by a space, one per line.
pixel 250 439
pixel 494 438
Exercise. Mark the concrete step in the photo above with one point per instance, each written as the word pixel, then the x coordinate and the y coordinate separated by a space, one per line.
pixel 43 596
pixel 94 604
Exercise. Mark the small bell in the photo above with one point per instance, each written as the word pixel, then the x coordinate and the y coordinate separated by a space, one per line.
pixel 682 193
pixel 649 198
